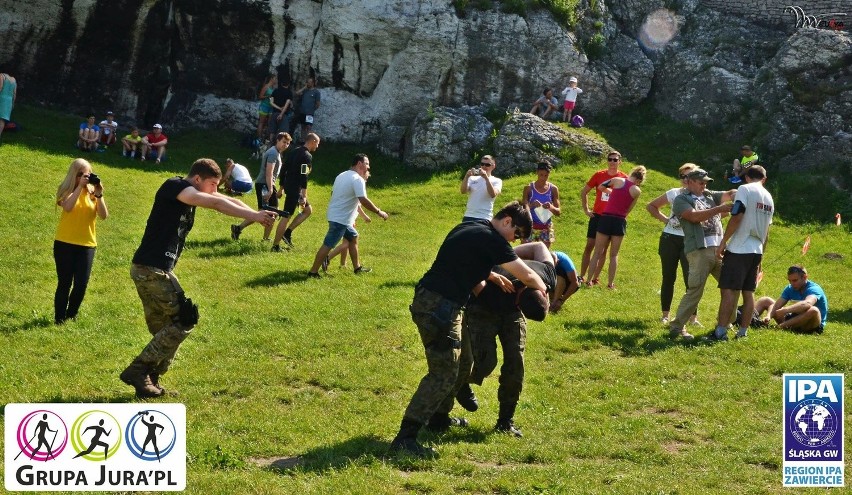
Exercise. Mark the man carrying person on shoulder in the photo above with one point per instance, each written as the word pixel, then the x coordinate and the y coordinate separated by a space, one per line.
pixel 294 188
pixel 700 214
pixel 465 259
pixel 170 316
pixel 742 249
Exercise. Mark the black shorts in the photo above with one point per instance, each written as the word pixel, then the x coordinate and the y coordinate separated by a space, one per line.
pixel 291 202
pixel 612 225
pixel 592 230
pixel 273 200
pixel 739 271
pixel 303 119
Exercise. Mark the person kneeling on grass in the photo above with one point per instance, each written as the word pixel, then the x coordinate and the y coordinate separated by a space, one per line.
pixel 809 311
pixel 169 314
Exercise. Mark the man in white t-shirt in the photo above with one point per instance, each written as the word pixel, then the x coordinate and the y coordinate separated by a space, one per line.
pixel 108 128
pixel 742 248
pixel 482 188
pixel 236 178
pixel 349 189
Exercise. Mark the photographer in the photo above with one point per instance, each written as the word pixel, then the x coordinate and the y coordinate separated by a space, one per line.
pixel 169 314
pixel 81 196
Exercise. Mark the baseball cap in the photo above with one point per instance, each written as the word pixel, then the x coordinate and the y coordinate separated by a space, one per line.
pixel 157 126
pixel 110 113
pixel 699 174
pixel 572 79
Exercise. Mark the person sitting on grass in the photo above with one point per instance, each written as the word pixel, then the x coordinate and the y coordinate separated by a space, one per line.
pixel 108 128
pixel 743 163
pixel 809 311
pixel 132 143
pixel 154 144
pixel 87 138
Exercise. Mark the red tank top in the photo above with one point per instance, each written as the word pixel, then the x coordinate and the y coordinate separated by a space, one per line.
pixel 620 201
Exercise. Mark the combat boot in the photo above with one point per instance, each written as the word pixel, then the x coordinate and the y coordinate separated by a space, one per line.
pixel 467 399
pixel 406 441
pixel 441 422
pixel 136 375
pixel 505 424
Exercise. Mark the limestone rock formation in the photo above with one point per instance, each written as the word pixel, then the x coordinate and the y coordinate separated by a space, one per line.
pixel 446 136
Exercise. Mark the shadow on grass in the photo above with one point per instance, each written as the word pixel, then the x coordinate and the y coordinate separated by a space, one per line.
pixel 38 322
pixel 224 248
pixel 840 316
pixel 633 337
pixel 395 284
pixel 278 278
pixel 365 449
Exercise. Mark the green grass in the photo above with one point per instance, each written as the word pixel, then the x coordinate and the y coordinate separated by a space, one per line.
pixel 315 374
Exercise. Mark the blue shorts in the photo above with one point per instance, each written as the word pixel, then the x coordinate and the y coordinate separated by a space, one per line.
pixel 241 187
pixel 337 231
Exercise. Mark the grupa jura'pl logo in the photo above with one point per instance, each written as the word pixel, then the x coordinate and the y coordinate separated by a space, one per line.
pixel 42 435
pixel 150 435
pixel 96 435
pixel 813 422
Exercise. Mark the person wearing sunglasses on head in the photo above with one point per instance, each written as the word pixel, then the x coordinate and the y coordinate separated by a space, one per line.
pixel 482 189
pixel 613 160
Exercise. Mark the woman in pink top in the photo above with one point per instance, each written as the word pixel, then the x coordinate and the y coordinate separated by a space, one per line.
pixel 613 223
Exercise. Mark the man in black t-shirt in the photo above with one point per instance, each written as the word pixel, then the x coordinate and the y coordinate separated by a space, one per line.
pixel 282 103
pixel 465 259
pixel 171 219
pixel 294 186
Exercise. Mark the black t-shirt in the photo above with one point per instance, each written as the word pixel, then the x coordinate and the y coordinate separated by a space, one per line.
pixel 292 178
pixel 168 224
pixel 465 258
pixel 280 97
pixel 493 298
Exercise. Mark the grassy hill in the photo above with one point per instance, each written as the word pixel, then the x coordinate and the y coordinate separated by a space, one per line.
pixel 312 376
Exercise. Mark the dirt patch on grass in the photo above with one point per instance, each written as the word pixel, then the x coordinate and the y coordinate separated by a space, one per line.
pixel 277 463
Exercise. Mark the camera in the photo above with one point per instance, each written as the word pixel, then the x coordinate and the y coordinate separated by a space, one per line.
pixel 477 171
pixel 94 179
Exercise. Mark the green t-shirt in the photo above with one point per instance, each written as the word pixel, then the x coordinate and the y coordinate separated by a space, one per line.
pixel 707 234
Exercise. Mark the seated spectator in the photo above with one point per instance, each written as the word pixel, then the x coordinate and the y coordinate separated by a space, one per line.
pixel 132 143
pixel 154 144
pixel 742 164
pixel 87 138
pixel 236 178
pixel 108 129
pixel 545 105
pixel 809 311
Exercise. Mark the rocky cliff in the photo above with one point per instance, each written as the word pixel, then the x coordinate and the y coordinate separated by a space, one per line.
pixel 379 63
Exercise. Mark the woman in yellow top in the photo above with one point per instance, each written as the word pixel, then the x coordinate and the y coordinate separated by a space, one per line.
pixel 81 197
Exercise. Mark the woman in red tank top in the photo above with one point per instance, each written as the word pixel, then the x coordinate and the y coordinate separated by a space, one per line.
pixel 613 223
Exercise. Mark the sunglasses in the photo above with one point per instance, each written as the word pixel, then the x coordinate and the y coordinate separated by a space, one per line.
pixel 484 164
pixel 613 159
pixel 682 177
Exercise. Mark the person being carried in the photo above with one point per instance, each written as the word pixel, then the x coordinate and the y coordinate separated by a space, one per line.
pixel 108 129
pixel 294 188
pixel 237 178
pixel 542 198
pixel 154 144
pixel 132 143
pixel 465 258
pixel 482 189
pixel 808 312
pixel 570 94
pixel 545 105
pixel 87 137
pixel 169 315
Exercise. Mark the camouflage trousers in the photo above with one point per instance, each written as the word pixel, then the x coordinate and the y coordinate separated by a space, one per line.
pixel 439 322
pixel 159 297
pixel 484 327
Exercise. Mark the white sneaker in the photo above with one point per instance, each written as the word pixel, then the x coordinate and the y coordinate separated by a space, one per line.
pixel 696 323
pixel 664 320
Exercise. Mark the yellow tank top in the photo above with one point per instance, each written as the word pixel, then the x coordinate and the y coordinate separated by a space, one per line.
pixel 78 225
